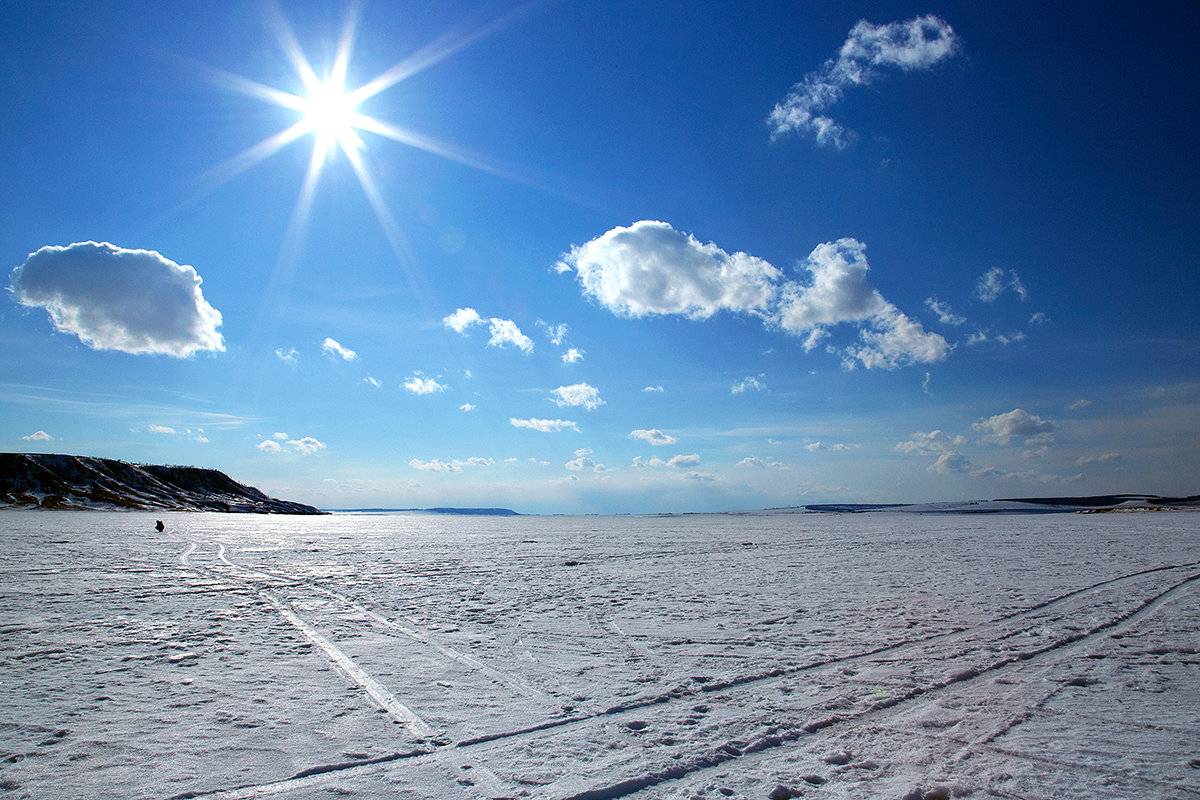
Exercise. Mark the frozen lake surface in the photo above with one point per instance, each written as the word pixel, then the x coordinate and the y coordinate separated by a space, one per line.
pixel 757 656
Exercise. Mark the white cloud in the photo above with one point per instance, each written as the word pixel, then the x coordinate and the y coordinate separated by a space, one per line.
pixel 653 389
pixel 945 313
pixel 556 333
pixel 305 447
pixel 1107 458
pixel 914 44
pixel 583 462
pixel 290 355
pixel 372 382
pixel 462 319
pixel 1078 405
pixel 578 394
pixel 333 348
pixel 651 268
pixel 1018 423
pixel 505 332
pixel 950 462
pixel 418 384
pixel 38 436
pixel 748 383
pixel 928 444
pixel 467 407
pixel 280 435
pixel 112 298
pixel 839 293
pixel 572 355
pixel 679 461
pixel 455 466
pixel 1039 319
pixel 544 425
pixel 755 461
pixel 653 436
pixel 152 428
pixel 996 282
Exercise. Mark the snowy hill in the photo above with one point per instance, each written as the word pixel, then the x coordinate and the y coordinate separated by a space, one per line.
pixel 29 480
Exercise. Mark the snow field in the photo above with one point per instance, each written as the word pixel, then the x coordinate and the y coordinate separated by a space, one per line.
pixel 706 656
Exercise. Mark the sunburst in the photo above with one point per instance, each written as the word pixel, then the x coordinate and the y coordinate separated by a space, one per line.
pixel 330 114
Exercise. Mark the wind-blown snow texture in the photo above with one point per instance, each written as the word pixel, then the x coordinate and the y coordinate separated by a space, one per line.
pixel 710 656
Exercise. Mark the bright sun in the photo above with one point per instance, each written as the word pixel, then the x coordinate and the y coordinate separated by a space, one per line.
pixel 329 113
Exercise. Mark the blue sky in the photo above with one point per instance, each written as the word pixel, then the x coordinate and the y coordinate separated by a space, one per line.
pixel 606 257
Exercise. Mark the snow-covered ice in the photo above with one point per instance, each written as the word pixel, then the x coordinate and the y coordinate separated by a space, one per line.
pixel 883 655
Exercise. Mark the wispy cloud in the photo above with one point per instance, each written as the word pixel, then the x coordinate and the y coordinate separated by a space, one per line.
pixel 915 44
pixel 544 425
pixel 934 442
pixel 38 436
pixel 572 355
pixel 996 282
pixel 113 298
pixel 332 347
pixel 1107 458
pixel 750 382
pixel 453 466
pixel 288 356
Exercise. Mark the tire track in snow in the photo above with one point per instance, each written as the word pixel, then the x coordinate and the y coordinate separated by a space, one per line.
pixel 771 738
pixel 780 735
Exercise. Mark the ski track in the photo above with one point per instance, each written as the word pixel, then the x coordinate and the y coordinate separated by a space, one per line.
pixel 718 754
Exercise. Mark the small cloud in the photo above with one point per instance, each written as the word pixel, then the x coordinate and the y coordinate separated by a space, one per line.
pixel 1039 319
pixel 467 407
pixel 1107 458
pixel 152 428
pixel 755 461
pixel 38 436
pixel 419 384
pixel 556 333
pixel 333 348
pixel 280 435
pixel 372 382
pixel 572 355
pixel 945 314
pixel 305 447
pixel 113 298
pixel 505 332
pixel 928 444
pixel 578 394
pixel 583 462
pixel 1003 428
pixel 288 356
pixel 462 319
pixel 748 383
pixel 653 389
pixel 950 462
pixel 996 282
pixel 703 477
pixel 544 425
pixel 653 436
pixel 677 462
pixel 1079 405
pixel 455 466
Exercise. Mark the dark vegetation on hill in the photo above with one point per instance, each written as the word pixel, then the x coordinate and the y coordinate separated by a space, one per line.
pixel 35 480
